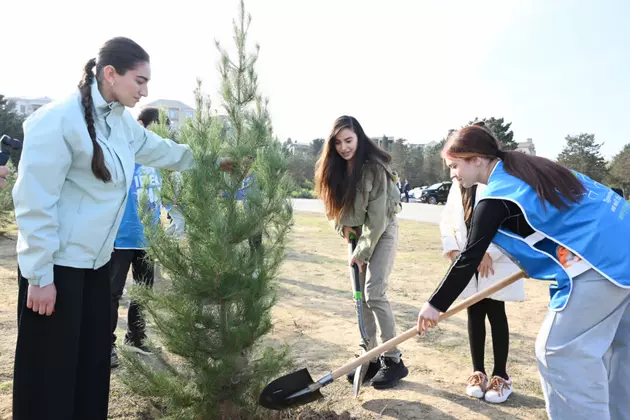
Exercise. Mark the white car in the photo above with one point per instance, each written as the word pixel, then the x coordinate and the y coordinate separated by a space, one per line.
pixel 414 194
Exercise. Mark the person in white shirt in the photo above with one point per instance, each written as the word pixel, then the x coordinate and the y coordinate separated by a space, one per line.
pixel 454 227
pixel 73 181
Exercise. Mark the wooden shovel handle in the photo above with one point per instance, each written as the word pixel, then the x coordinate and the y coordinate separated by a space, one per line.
pixel 412 332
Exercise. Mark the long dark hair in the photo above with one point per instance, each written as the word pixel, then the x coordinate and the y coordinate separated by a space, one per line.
pixel 552 182
pixel 123 54
pixel 335 184
pixel 468 202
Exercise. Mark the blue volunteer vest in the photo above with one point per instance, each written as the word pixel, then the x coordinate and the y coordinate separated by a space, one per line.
pixel 248 184
pixel 131 232
pixel 594 233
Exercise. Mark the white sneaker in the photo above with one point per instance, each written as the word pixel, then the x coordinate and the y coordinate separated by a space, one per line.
pixel 499 390
pixel 476 385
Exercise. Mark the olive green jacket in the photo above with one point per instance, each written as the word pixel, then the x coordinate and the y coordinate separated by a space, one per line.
pixel 375 207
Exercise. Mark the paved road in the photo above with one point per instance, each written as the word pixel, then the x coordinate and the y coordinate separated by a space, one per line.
pixel 411 211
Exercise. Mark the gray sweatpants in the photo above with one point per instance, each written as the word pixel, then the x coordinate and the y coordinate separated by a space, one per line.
pixel 583 353
pixel 376 307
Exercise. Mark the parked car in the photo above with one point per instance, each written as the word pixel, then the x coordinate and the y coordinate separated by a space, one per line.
pixel 436 193
pixel 415 193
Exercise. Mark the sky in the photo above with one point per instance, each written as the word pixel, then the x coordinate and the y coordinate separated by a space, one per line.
pixel 410 69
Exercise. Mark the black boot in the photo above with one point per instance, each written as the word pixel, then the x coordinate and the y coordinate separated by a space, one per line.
pixel 371 371
pixel 113 358
pixel 389 374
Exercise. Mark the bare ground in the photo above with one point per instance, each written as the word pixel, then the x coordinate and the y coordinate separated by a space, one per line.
pixel 315 316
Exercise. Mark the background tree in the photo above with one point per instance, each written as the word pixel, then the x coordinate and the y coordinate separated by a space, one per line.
pixel 409 161
pixel 414 167
pixel 582 153
pixel 216 305
pixel 286 147
pixel 301 168
pixel 399 153
pixel 316 147
pixel 7 214
pixel 620 169
pixel 11 125
pixel 435 169
pixel 501 130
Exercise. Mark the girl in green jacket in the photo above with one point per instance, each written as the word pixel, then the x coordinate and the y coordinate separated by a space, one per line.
pixel 359 192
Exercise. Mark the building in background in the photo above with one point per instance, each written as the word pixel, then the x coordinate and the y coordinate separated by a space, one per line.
pixel 296 148
pixel 527 147
pixel 385 142
pixel 26 106
pixel 177 110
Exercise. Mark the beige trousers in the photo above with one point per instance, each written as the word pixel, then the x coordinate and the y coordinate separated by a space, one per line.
pixel 377 310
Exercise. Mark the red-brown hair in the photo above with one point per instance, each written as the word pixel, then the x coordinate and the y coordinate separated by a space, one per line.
pixel 552 182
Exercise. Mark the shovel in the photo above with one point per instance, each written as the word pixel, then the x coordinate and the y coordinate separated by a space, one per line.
pixel 298 388
pixel 359 374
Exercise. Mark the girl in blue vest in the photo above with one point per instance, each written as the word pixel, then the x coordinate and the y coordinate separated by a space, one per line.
pixel 562 226
pixel 130 248
pixel 73 182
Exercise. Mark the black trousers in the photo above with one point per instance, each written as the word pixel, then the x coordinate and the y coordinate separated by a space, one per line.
pixel 495 311
pixel 62 361
pixel 143 271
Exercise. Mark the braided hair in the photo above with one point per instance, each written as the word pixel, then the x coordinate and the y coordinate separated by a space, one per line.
pixel 85 88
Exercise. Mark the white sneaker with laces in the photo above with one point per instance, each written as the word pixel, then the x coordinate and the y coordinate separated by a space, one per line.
pixel 499 390
pixel 476 385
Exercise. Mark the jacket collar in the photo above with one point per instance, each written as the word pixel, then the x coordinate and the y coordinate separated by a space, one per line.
pixel 101 107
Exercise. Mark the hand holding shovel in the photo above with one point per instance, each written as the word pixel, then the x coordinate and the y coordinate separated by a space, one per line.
pixel 359 374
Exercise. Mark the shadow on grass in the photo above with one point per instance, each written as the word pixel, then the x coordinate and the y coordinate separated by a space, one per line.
pixel 516 400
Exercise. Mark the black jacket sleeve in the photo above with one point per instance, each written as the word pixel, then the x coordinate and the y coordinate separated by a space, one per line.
pixel 487 218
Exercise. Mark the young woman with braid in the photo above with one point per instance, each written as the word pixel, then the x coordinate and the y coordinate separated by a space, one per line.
pixel 73 182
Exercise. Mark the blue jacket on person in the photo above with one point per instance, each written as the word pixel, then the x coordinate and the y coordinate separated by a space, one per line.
pixel 131 232
pixel 248 184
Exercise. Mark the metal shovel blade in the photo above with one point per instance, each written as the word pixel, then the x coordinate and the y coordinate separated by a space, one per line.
pixel 280 393
pixel 359 376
